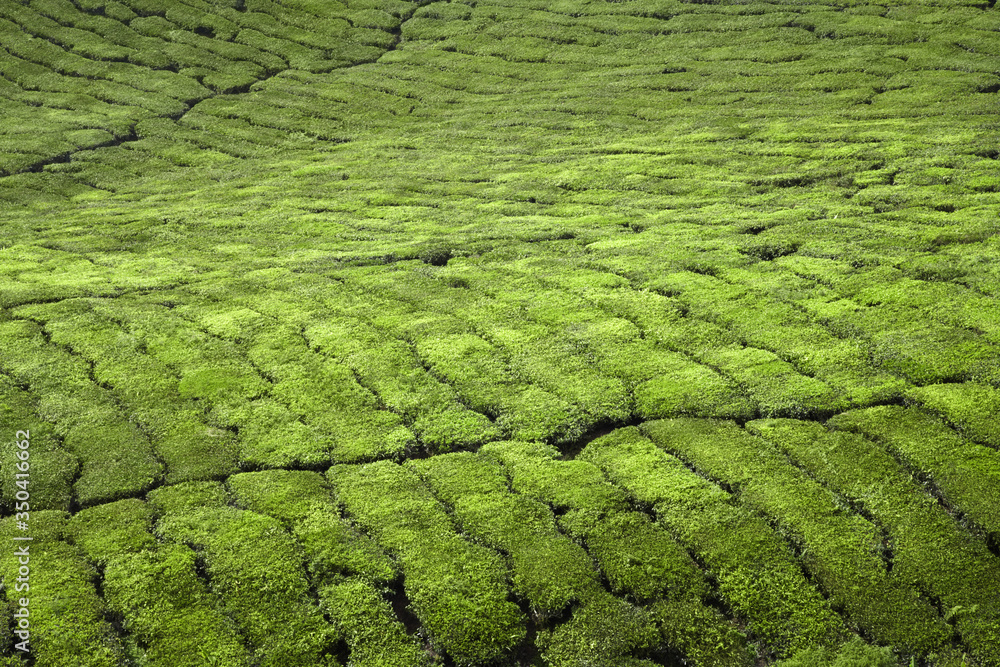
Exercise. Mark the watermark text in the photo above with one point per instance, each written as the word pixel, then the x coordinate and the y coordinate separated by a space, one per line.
pixel 22 507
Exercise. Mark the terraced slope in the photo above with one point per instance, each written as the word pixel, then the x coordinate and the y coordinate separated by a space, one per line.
pixel 499 332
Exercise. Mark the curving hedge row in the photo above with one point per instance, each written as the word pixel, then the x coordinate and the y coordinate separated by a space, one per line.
pixel 637 557
pixel 115 458
pixel 347 569
pixel 548 570
pixel 65 613
pixel 52 470
pixel 254 566
pixel 930 550
pixel 457 589
pixel 169 613
pixel 756 571
pixel 189 448
pixel 841 550
pixel 963 471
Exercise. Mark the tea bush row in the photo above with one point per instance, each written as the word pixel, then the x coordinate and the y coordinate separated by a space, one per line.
pixel 963 471
pixel 840 549
pixel 324 395
pixel 66 623
pixel 458 589
pixel 637 557
pixel 188 446
pixel 44 52
pixel 170 56
pixel 929 548
pixel 347 569
pixel 757 574
pixel 548 570
pixel 165 606
pixel 473 367
pixel 430 408
pixel 350 327
pixel 786 331
pixel 32 77
pixel 52 469
pixel 115 458
pixel 390 369
pixel 772 385
pixel 540 349
pixel 969 406
pixel 254 566
pixel 661 381
pixel 218 376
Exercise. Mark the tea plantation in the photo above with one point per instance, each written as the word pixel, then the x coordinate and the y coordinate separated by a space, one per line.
pixel 495 333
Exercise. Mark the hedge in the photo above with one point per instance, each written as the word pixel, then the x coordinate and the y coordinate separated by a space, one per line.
pixel 929 548
pixel 458 589
pixel 757 573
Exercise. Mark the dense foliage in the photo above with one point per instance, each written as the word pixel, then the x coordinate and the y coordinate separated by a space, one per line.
pixel 502 332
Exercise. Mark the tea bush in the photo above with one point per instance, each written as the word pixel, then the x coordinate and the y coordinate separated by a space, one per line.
pixel 369 304
pixel 957 569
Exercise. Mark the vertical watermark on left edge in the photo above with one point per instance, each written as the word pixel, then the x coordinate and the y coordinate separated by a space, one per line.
pixel 22 508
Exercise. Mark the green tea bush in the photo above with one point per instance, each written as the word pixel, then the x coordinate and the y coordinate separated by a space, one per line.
pixel 535 471
pixel 186 496
pixel 235 56
pixel 963 329
pixel 326 396
pixel 287 495
pixel 168 611
pixel 347 568
pixel 211 116
pixel 112 27
pixel 52 468
pixel 962 470
pixel 209 369
pixel 200 22
pixel 66 614
pixel 603 631
pixel 637 557
pixel 842 550
pixel 472 366
pixel 65 12
pixel 302 501
pixel 153 26
pixel 116 459
pixel 549 570
pixel 188 447
pixel 756 571
pixel 273 436
pixel 382 229
pixel 684 387
pixel 663 382
pixel 929 547
pixel 458 589
pixel 640 558
pixel 701 633
pixel 389 368
pixel 783 329
pixel 971 407
pixel 112 529
pixel 534 356
pixel 254 566
pixel 367 622
pixel 295 55
pixel 854 653
pixel 774 384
